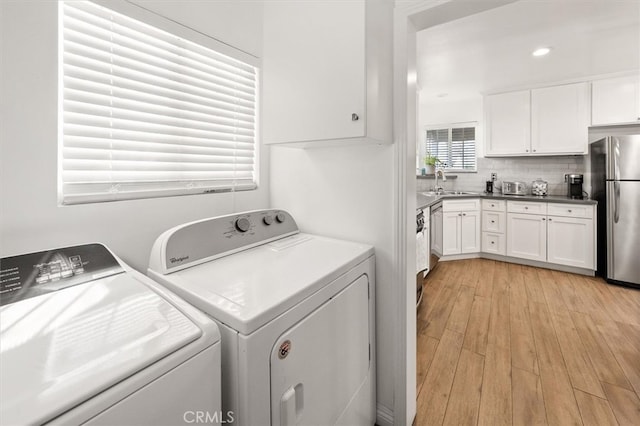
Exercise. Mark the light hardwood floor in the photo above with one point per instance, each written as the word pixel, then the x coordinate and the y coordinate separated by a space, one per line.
pixel 504 344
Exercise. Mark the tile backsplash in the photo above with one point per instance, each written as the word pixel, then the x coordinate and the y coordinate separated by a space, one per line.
pixel 525 169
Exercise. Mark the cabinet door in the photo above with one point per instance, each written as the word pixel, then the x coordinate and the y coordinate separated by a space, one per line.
pixel 570 241
pixel 527 236
pixel 508 123
pixel 470 232
pixel 451 233
pixel 615 100
pixel 560 119
pixel 313 71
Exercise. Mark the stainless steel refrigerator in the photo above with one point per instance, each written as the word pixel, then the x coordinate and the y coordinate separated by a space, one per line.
pixel 615 183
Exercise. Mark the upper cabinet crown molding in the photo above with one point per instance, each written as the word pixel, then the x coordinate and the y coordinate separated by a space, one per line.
pixel 616 100
pixel 327 73
pixel 547 121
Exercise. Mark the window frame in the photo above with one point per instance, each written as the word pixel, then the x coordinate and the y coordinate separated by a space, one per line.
pixel 178 30
pixel 422 150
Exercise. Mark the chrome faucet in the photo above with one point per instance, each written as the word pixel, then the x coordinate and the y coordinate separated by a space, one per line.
pixel 444 178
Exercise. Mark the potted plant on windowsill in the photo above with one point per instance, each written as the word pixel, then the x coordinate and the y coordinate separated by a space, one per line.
pixel 430 163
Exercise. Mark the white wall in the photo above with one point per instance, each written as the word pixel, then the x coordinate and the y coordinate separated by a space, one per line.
pixel 30 217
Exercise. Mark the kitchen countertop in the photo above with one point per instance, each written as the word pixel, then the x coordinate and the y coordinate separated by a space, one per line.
pixel 424 201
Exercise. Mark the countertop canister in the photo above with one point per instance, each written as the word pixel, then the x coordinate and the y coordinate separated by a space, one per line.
pixel 539 187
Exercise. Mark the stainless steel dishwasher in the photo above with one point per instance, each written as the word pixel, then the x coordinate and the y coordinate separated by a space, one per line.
pixel 436 234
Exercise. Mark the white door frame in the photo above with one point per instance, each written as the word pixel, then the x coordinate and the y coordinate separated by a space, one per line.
pixel 409 18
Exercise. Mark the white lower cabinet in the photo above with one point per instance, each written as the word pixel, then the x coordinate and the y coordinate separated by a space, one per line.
pixel 570 241
pixel 494 226
pixel 451 233
pixel 566 237
pixel 493 243
pixel 460 232
pixel 470 232
pixel 527 236
pixel 554 233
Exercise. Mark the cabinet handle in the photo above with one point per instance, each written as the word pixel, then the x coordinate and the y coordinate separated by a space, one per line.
pixel 354 117
pixel 464 214
pixel 493 221
pixel 526 150
pixel 534 150
pixel 549 219
pixel 526 208
pixel 569 211
pixel 493 205
pixel 493 242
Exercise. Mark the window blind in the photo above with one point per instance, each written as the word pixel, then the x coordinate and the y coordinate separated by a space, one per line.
pixel 145 113
pixel 454 147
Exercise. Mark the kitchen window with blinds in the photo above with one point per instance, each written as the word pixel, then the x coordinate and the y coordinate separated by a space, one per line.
pixel 455 147
pixel 147 113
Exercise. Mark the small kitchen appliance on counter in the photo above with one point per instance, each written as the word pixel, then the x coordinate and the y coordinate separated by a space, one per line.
pixel 489 187
pixel 539 187
pixel 574 186
pixel 514 188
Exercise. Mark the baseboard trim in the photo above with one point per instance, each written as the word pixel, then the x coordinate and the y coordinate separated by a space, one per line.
pixel 384 416
pixel 460 256
pixel 545 265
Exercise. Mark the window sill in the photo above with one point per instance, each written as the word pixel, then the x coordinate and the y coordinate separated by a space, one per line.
pixel 433 176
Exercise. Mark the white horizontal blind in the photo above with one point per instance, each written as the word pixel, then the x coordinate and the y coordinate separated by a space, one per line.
pixel 438 143
pixel 455 147
pixel 463 148
pixel 147 114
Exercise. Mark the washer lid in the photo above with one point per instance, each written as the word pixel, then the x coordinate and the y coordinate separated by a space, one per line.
pixel 61 348
pixel 246 290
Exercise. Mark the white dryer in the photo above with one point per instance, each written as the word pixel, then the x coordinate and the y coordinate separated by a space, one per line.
pixel 295 311
pixel 85 339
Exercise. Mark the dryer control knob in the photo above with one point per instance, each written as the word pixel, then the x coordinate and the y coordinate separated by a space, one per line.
pixel 280 217
pixel 243 224
pixel 268 220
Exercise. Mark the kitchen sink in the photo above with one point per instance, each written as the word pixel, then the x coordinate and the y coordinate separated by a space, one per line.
pixel 447 193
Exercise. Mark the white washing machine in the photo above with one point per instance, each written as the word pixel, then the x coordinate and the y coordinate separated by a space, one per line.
pixel 84 339
pixel 295 311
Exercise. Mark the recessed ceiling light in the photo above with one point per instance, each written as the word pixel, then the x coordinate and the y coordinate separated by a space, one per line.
pixel 442 95
pixel 541 51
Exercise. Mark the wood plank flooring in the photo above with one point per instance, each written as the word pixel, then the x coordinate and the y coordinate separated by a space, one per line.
pixel 505 344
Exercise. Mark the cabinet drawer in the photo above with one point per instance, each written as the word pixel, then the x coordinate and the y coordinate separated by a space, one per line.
pixel 570 210
pixel 494 205
pixel 530 207
pixel 493 243
pixel 469 204
pixel 494 221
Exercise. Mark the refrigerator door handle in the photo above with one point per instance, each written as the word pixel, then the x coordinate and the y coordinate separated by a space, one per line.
pixel 616 201
pixel 609 224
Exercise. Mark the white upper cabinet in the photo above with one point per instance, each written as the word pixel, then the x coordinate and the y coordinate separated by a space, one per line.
pixel 327 73
pixel 508 123
pixel 615 100
pixel 560 119
pixel 547 121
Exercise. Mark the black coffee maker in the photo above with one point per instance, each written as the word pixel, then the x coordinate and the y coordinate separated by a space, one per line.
pixel 574 185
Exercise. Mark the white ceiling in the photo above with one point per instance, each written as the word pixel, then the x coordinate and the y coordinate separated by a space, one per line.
pixel 491 51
